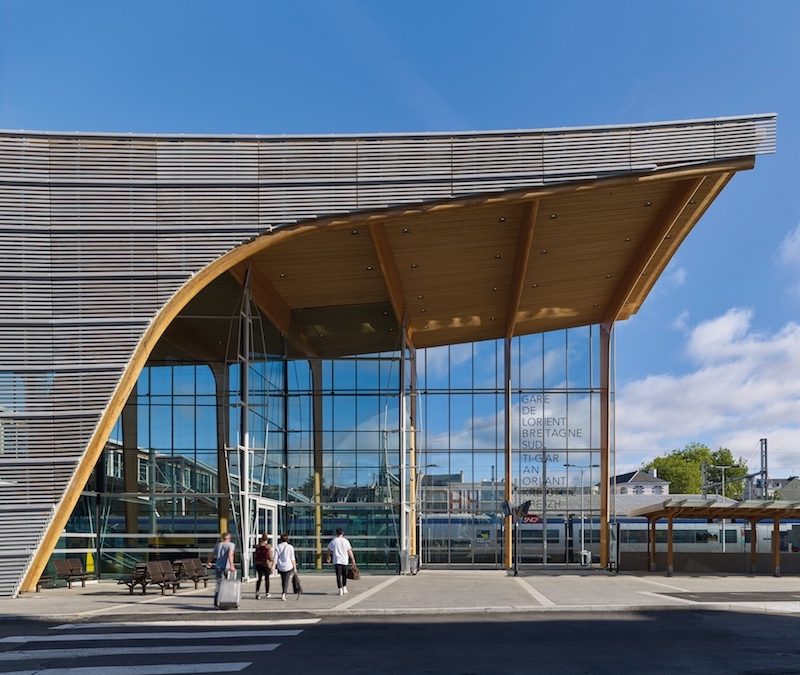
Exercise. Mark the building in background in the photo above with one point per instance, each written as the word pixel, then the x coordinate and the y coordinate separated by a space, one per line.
pixel 777 488
pixel 640 483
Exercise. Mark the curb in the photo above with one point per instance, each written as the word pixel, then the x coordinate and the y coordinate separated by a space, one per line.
pixel 741 608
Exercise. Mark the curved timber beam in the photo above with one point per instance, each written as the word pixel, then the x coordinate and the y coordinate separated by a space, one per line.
pixel 272 305
pixel 521 257
pixel 391 275
pixel 676 210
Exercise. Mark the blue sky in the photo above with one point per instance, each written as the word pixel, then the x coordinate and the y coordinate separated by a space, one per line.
pixel 345 66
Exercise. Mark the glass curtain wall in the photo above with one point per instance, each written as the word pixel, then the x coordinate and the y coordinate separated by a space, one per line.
pixel 357 405
pixel 555 422
pixel 157 492
pixel 163 486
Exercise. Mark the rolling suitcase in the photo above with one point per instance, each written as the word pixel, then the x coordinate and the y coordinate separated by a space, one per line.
pixel 230 591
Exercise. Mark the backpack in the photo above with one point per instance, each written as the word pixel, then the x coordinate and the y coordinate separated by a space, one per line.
pixel 261 557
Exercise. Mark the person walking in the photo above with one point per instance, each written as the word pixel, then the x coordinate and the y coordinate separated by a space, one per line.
pixel 221 560
pixel 286 563
pixel 342 556
pixel 264 562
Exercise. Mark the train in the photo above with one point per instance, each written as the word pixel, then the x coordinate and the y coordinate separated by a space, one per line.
pixel 478 539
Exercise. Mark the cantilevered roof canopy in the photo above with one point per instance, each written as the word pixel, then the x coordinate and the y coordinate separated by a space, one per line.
pixel 715 509
pixel 580 238
pixel 474 269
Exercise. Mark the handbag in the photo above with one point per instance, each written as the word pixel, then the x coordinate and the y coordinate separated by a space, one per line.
pixel 353 573
pixel 297 587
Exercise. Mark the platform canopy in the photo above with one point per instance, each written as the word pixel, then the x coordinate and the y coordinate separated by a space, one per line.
pixel 716 509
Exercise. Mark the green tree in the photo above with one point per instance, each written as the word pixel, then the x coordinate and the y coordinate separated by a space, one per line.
pixel 682 468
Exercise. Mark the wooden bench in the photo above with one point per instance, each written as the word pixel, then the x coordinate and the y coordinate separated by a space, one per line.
pixel 139 577
pixel 71 569
pixel 44 579
pixel 161 575
pixel 192 569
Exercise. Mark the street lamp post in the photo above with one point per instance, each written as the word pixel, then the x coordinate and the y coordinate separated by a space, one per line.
pixel 723 467
pixel 582 468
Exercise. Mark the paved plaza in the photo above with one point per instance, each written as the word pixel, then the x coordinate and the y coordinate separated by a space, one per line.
pixel 465 623
pixel 433 592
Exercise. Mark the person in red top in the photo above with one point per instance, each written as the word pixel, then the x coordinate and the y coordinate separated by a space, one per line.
pixel 264 563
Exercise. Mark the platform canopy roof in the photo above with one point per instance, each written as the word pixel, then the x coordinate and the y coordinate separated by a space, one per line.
pixel 715 508
pixel 576 247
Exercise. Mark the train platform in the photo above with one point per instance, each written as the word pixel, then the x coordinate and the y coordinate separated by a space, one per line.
pixel 431 592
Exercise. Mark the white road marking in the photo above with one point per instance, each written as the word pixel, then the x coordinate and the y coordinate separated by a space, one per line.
pixel 664 596
pixel 363 596
pixel 662 584
pixel 171 635
pixel 541 598
pixel 147 601
pixel 185 624
pixel 171 669
pixel 88 652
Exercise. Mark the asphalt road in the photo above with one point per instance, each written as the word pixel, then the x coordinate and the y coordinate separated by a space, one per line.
pixel 658 642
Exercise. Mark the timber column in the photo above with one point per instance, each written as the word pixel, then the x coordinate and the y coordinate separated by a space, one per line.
pixel 605 438
pixel 219 370
pixel 316 405
pixel 130 460
pixel 413 471
pixel 508 559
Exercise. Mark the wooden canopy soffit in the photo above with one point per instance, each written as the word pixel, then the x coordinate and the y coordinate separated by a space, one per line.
pixel 498 265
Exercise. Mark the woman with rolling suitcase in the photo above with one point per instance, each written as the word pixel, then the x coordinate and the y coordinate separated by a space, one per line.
pixel 221 560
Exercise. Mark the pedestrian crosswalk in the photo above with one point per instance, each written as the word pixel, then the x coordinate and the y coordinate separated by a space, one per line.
pixel 138 649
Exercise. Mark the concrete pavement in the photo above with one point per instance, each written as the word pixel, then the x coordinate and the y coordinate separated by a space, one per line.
pixel 434 592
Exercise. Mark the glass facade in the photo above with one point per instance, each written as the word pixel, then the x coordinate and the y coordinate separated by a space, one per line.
pixel 555 440
pixel 335 441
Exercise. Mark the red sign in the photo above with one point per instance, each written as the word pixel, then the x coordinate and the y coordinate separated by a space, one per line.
pixel 531 518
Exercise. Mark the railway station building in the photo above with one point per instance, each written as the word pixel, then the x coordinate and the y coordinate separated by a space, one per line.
pixel 395 334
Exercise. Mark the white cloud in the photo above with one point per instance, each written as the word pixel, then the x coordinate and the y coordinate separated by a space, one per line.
pixel 681 322
pixel 789 250
pixel 677 277
pixel 745 386
pixel 789 256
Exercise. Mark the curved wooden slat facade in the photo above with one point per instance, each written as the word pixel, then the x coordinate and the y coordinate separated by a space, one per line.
pixel 104 237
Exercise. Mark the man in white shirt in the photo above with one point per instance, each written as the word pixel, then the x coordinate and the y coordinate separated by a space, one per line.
pixel 342 555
